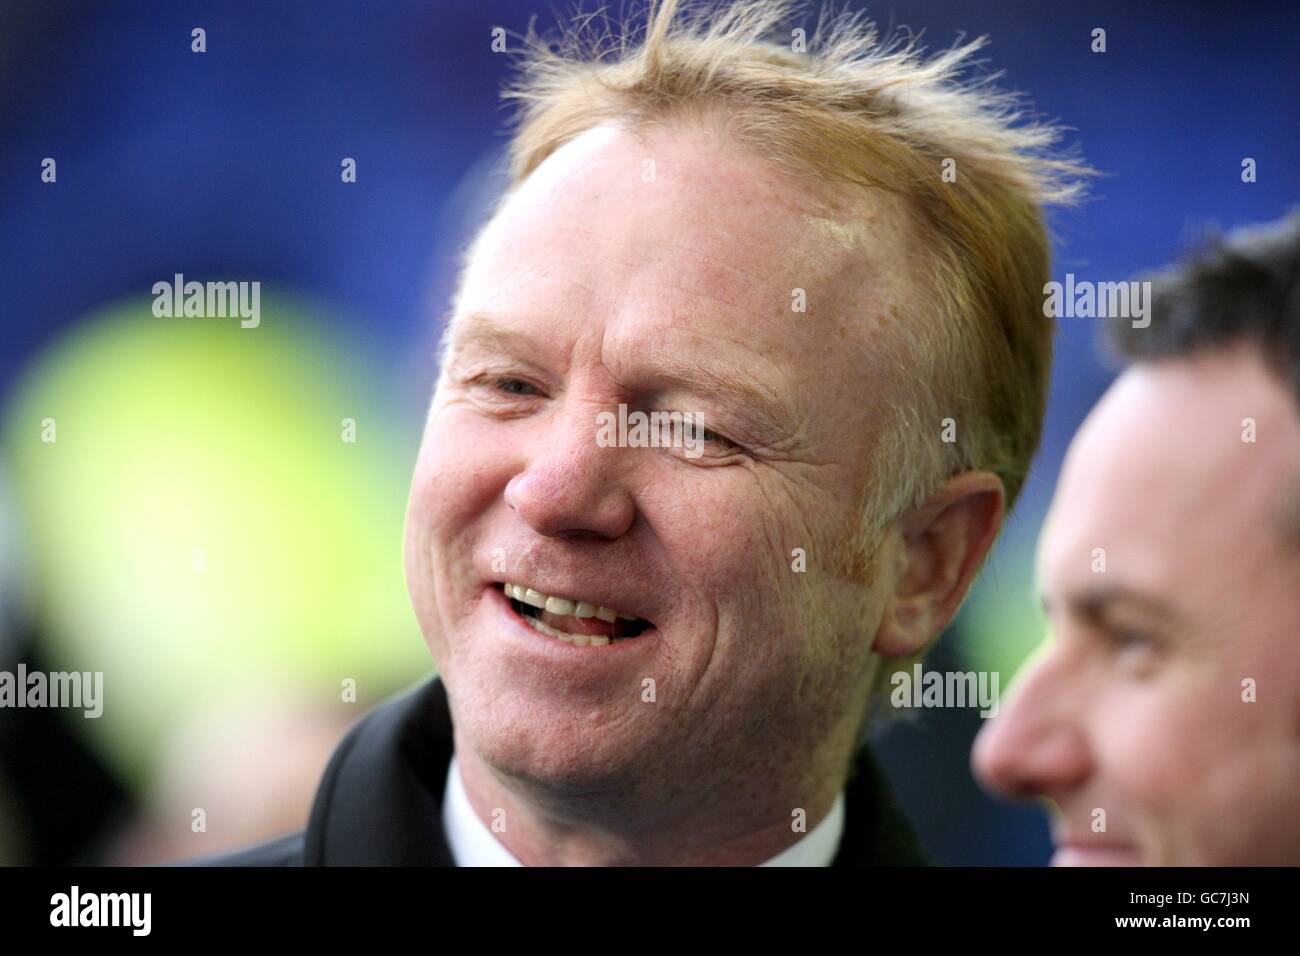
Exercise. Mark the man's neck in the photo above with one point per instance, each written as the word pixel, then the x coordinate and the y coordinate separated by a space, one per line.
pixel 623 836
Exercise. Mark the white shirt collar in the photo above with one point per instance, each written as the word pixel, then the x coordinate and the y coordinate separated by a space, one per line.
pixel 472 843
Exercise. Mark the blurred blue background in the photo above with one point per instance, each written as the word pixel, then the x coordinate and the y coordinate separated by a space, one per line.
pixel 227 165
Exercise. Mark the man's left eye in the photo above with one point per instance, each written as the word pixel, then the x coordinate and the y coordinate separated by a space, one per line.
pixel 722 440
pixel 514 386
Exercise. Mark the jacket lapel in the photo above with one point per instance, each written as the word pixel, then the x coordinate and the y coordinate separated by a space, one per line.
pixel 380 799
pixel 876 831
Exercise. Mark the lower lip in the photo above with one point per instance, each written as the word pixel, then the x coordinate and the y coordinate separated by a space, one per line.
pixel 533 641
pixel 1095 856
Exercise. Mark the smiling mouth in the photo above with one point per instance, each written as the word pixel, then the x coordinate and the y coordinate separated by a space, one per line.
pixel 582 623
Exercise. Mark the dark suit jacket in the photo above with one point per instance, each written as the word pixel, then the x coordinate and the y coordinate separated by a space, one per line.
pixel 380 800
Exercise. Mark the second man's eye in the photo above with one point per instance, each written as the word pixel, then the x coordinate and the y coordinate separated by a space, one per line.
pixel 1135 650
pixel 1129 639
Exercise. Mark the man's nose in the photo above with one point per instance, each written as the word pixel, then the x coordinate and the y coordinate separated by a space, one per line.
pixel 1035 746
pixel 570 486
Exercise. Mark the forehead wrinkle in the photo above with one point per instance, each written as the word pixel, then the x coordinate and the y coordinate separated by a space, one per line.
pixel 836 271
pixel 502 289
pixel 744 310
pixel 811 238
pixel 712 259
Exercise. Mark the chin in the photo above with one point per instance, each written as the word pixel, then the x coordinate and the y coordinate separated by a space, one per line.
pixel 522 741
pixel 1085 855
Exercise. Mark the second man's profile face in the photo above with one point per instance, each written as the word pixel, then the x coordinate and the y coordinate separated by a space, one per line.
pixel 660 273
pixel 1162 719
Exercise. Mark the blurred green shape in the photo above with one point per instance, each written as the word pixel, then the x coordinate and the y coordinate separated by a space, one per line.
pixel 1003 622
pixel 199 530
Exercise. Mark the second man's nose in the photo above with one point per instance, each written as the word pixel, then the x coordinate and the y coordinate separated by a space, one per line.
pixel 1035 746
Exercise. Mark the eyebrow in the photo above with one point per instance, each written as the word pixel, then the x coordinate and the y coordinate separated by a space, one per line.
pixel 477 329
pixel 748 399
pixel 1093 602
pixel 713 378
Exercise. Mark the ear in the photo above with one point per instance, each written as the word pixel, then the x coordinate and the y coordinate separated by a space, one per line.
pixel 940 546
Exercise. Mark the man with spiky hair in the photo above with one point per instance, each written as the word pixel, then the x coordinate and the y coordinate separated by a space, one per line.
pixel 821 256
pixel 1160 720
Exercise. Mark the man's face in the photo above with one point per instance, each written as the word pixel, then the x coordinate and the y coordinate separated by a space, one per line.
pixel 604 281
pixel 1135 707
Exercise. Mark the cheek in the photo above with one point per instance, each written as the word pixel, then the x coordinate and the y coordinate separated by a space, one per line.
pixel 1144 742
pixel 1182 759
pixel 725 541
pixel 462 467
pixel 782 617
pixel 1243 809
pixel 458 474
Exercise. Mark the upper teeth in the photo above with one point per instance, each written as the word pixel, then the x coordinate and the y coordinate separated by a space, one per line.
pixel 559 605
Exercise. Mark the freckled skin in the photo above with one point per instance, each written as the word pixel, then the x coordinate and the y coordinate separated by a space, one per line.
pixel 1154 731
pixel 760 672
